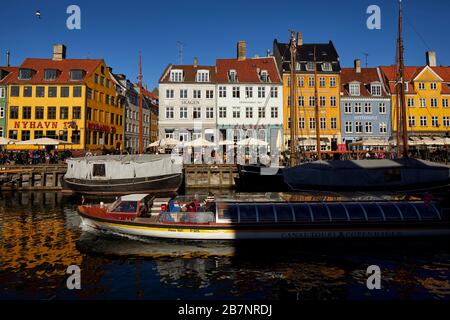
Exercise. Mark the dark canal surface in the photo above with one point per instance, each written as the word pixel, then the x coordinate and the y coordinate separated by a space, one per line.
pixel 40 237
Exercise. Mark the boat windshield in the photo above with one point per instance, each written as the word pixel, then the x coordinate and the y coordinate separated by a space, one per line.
pixel 126 206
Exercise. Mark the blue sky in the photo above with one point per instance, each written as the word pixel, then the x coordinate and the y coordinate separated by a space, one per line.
pixel 117 30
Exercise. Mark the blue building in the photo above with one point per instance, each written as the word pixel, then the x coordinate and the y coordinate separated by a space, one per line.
pixel 365 106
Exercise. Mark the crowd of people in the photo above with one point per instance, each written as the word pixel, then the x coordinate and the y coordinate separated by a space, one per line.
pixel 33 157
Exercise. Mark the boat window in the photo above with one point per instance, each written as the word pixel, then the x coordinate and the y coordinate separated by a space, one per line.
pixel 301 212
pixel 229 212
pixel 390 211
pixel 337 212
pixel 355 212
pixel 247 213
pixel 408 211
pixel 373 212
pixel 266 213
pixel 99 170
pixel 126 207
pixel 320 212
pixel 427 211
pixel 284 213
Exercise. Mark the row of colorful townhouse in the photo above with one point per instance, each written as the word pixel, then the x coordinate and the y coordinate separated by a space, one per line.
pixel 80 101
pixel 250 97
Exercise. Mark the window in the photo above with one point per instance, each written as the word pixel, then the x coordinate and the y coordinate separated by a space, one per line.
pixel 25 135
pixel 222 112
pixel 209 94
pixel 333 123
pixel 176 76
pixel 326 66
pixel 435 121
pixel 412 121
pixel 52 92
pixel 274 92
pixel 433 86
pixel 423 121
pixel 50 74
pixel 358 108
pixel 64 92
pixel 2 92
pixel 26 112
pixel 51 113
pixel 64 113
pixel 358 127
pixel 383 127
pixel 108 83
pixel 274 112
pixel 411 102
pixel 368 108
pixel 261 112
pixel 14 91
pixel 25 74
pixel 197 94
pixel 347 107
pixel 169 94
pixel 445 103
pixel 301 81
pixel 40 92
pixel 423 103
pixel 102 80
pixel 322 100
pixel 446 121
pixel 38 134
pixel 169 112
pixel 322 82
pixel 249 112
pixel 183 113
pixel 301 123
pixel 261 92
pixel 301 101
pixel 183 93
pixel 310 66
pixel 89 93
pixel 368 127
pixel 76 75
pixel 2 113
pixel 249 92
pixel 312 101
pixel 27 91
pixel 376 90
pixel 264 76
pixel 332 82
pixel 236 92
pixel 232 76
pixel 323 123
pixel 89 113
pixel 382 108
pixel 333 101
pixel 311 81
pixel 209 113
pixel 14 112
pixel 421 86
pixel 354 89
pixel 99 170
pixel 348 127
pixel 12 134
pixel 312 123
pixel 197 113
pixel 222 92
pixel 434 103
pixel 39 113
pixel 96 78
pixel 236 112
pixel 203 76
pixel 76 114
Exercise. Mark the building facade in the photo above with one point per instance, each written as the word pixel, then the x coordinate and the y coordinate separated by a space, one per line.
pixel 427 98
pixel 4 73
pixel 328 77
pixel 187 102
pixel 69 99
pixel 249 98
pixel 152 102
pixel 365 105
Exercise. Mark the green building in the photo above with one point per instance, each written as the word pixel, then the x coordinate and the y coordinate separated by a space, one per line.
pixel 4 73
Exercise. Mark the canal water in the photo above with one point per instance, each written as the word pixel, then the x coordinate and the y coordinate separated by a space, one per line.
pixel 40 237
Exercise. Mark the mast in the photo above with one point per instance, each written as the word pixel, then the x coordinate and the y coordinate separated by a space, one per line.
pixel 293 109
pixel 316 104
pixel 141 125
pixel 401 86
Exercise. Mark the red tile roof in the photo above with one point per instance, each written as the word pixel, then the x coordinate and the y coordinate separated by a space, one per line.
pixel 64 67
pixel 189 73
pixel 247 70
pixel 365 78
pixel 8 71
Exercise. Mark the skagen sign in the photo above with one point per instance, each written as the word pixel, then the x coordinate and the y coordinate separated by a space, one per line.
pixel 189 102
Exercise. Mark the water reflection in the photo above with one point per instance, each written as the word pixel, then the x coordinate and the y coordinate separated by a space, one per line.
pixel 40 237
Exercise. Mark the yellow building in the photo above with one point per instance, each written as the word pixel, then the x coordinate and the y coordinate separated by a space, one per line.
pixel 67 99
pixel 427 99
pixel 328 88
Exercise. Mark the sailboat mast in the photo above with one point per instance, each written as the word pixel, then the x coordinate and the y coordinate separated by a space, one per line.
pixel 316 104
pixel 141 125
pixel 401 85
pixel 293 109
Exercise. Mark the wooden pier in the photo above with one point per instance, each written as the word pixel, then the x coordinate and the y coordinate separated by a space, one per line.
pixel 35 177
pixel 216 176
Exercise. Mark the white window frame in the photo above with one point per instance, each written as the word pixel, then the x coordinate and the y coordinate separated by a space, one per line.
pixel 348 127
pixel 354 89
pixel 176 76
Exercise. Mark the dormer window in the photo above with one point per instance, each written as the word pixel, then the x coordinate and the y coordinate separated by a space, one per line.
pixel 176 76
pixel 354 89
pixel 298 66
pixel 326 66
pixel 310 66
pixel 50 74
pixel 375 89
pixel 406 86
pixel 202 76
pixel 76 75
pixel 264 76
pixel 232 75
pixel 25 74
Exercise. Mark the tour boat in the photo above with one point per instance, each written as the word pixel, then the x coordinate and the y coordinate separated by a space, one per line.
pixel 266 217
pixel 122 174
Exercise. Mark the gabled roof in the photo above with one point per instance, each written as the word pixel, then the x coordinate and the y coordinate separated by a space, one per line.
pixel 248 70
pixel 63 66
pixel 5 73
pixel 364 78
pixel 189 73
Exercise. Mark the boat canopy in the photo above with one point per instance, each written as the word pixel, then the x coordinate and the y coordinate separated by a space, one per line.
pixel 134 197
pixel 328 212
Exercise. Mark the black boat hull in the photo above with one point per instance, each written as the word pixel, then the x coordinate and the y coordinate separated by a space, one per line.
pixel 251 178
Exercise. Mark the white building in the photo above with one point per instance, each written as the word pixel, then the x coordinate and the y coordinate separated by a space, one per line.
pixel 187 102
pixel 249 98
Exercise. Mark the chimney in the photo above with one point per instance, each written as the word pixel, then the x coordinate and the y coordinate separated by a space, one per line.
pixel 195 61
pixel 8 54
pixel 431 58
pixel 358 66
pixel 299 39
pixel 242 50
pixel 59 52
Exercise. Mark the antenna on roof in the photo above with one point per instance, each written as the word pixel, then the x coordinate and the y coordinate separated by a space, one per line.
pixel 366 55
pixel 180 47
